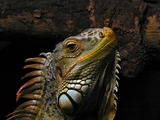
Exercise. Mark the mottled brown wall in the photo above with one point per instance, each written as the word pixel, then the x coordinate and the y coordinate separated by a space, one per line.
pixel 136 22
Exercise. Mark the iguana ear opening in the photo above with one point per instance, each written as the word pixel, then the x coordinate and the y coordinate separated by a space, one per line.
pixel 58 74
pixel 59 71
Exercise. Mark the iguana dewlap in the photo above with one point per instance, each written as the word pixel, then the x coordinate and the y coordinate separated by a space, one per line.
pixel 77 81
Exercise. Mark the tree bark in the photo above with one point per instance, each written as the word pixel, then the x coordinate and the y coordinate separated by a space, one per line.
pixel 136 22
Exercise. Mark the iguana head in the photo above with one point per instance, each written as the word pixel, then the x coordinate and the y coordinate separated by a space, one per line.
pixel 77 78
pixel 79 61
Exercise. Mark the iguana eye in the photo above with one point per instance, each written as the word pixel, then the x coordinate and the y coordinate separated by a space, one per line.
pixel 101 34
pixel 72 46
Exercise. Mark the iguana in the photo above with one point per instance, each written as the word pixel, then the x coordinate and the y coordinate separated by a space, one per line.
pixel 77 81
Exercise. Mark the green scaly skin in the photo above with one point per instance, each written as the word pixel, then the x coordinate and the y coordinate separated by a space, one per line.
pixel 77 81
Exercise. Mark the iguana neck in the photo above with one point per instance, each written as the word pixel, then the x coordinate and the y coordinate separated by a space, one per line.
pixel 49 108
